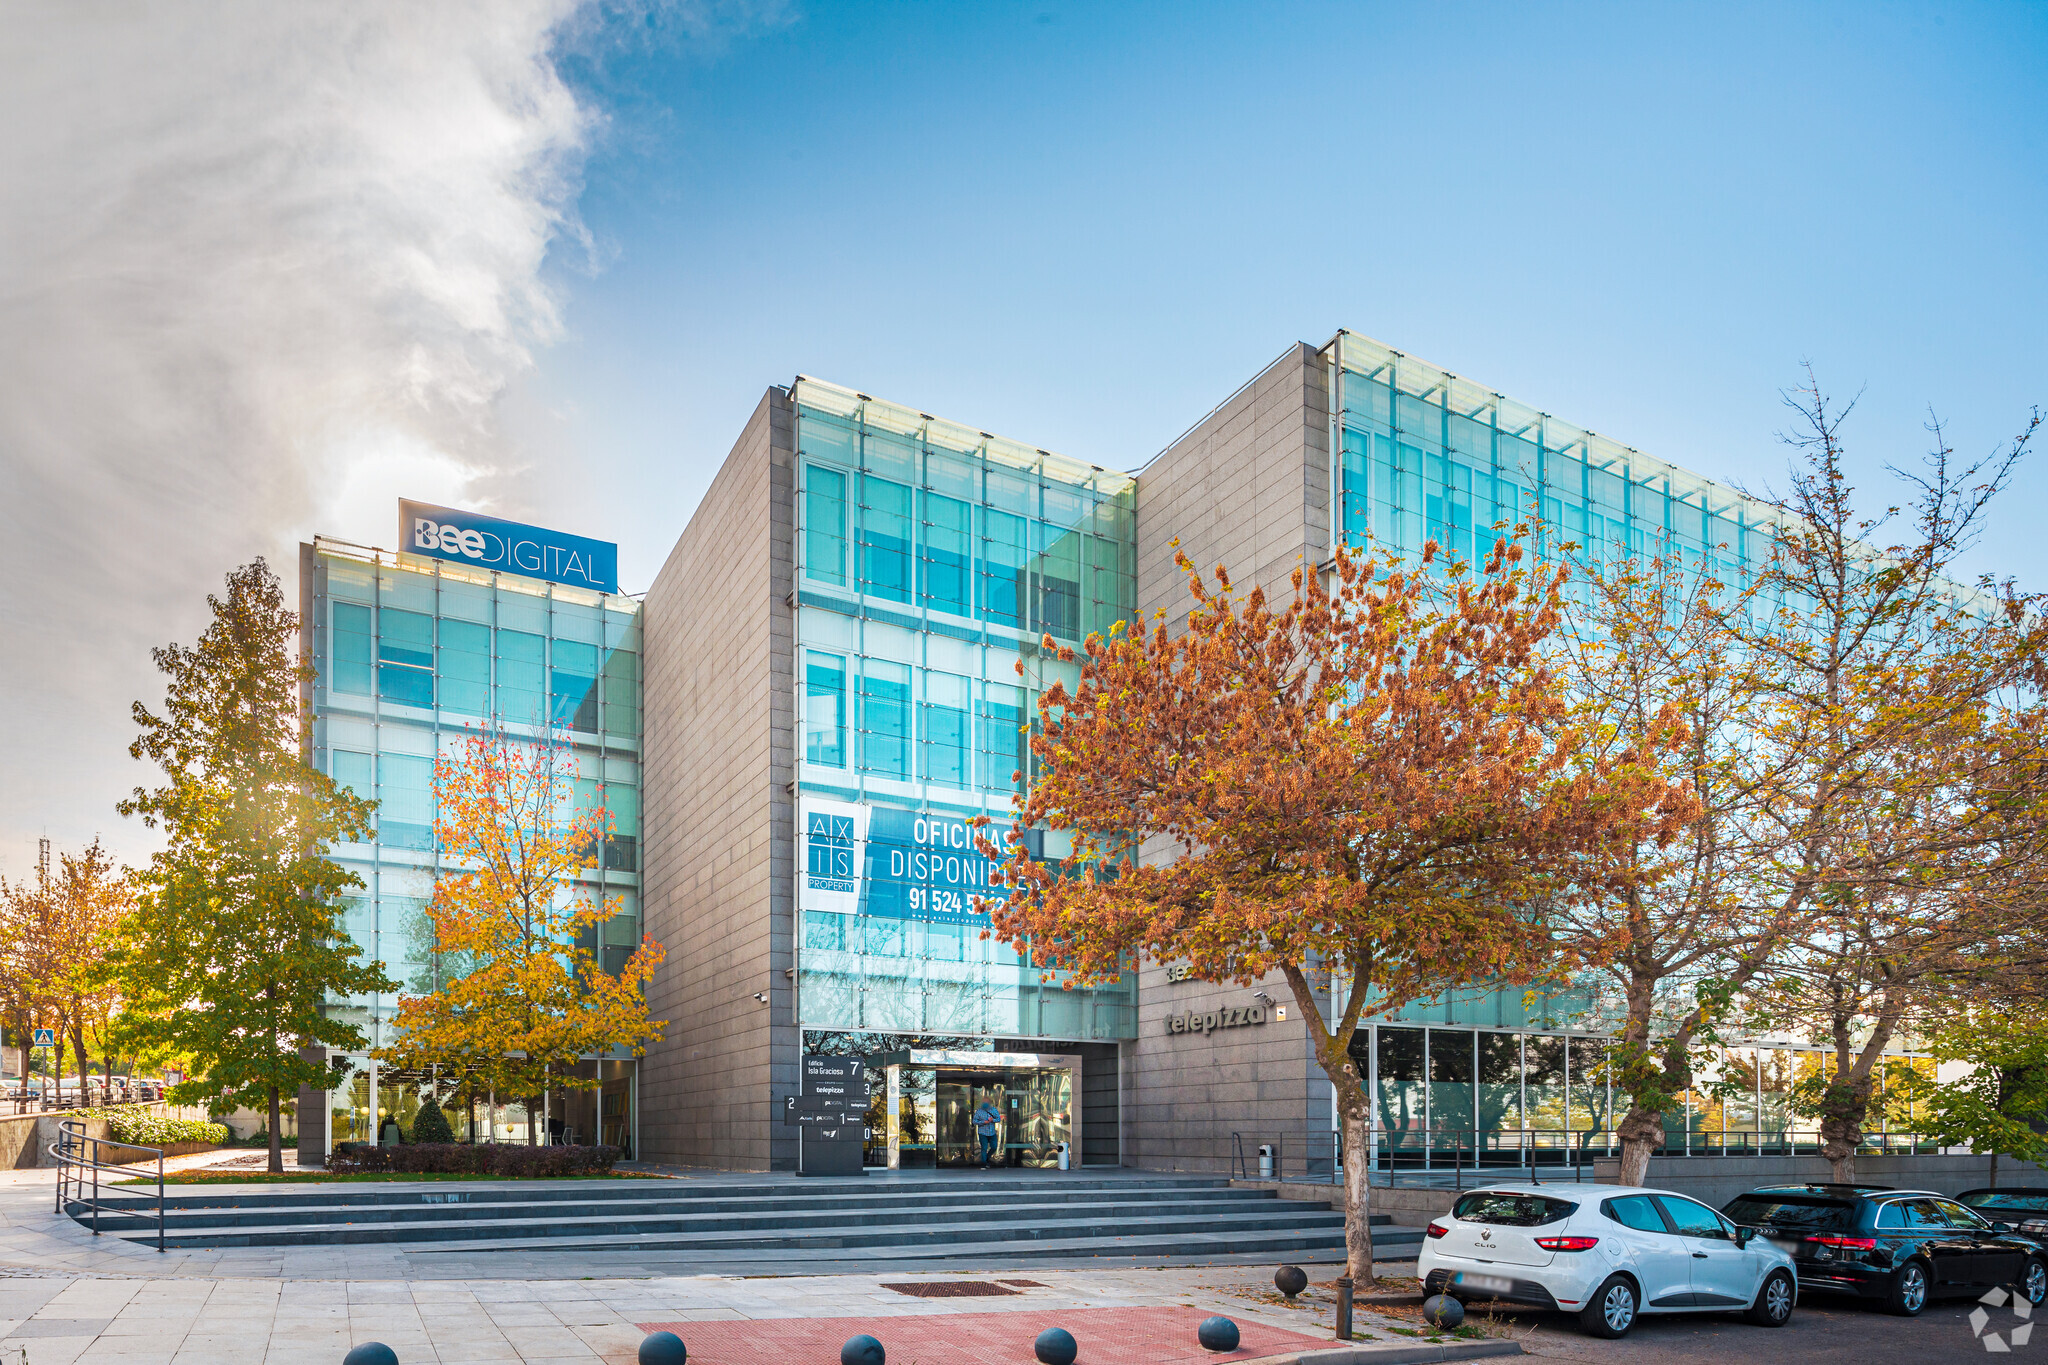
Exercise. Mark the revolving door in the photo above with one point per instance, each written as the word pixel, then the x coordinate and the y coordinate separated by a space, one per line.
pixel 955 1110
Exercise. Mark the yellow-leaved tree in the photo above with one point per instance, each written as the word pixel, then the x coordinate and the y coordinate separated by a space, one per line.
pixel 523 1000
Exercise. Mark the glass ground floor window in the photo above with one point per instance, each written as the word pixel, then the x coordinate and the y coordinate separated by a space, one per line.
pixel 1460 1096
pixel 379 1105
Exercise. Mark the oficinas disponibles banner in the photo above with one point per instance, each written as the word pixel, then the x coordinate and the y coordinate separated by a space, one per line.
pixel 903 864
pixel 507 546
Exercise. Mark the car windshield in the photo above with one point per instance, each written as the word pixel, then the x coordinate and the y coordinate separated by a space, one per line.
pixel 1802 1215
pixel 1510 1210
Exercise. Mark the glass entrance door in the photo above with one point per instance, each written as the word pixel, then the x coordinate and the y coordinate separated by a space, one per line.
pixel 961 1110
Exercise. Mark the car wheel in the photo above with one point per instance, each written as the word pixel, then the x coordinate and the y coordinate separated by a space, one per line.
pixel 2034 1283
pixel 1773 1306
pixel 1612 1309
pixel 1909 1290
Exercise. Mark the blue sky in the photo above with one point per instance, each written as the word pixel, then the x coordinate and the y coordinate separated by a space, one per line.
pixel 265 269
pixel 1084 225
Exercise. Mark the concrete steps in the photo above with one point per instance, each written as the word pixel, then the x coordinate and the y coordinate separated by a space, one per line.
pixel 945 1217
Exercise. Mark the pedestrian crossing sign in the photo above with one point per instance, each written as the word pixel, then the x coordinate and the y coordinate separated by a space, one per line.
pixel 46 1037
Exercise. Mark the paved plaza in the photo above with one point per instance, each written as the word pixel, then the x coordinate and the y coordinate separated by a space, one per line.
pixel 66 1296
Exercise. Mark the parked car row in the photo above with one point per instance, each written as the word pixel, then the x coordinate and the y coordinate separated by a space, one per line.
pixel 1611 1255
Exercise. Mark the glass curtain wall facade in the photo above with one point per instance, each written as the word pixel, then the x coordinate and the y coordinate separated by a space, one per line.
pixel 1422 455
pixel 930 560
pixel 412 654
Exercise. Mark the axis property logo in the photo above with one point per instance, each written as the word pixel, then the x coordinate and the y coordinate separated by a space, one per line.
pixel 507 546
pixel 2002 1336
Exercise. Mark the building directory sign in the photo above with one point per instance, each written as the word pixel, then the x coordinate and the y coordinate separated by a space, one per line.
pixel 862 859
pixel 507 546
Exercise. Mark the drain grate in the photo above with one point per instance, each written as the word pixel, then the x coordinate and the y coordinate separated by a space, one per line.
pixel 951 1289
pixel 1022 1284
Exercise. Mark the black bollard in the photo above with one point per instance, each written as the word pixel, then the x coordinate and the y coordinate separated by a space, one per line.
pixel 1290 1280
pixel 1343 1308
pixel 1056 1346
pixel 663 1348
pixel 371 1353
pixel 862 1350
pixel 1217 1334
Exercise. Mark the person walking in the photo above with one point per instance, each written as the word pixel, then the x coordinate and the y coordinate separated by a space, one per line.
pixel 987 1118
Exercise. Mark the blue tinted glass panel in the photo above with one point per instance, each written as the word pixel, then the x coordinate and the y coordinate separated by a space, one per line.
pixel 350 650
pixel 521 677
pixel 824 709
pixel 885 538
pixel 825 525
pixel 573 685
pixel 465 667
pixel 946 559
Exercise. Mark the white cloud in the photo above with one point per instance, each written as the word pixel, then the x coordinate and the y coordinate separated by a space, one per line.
pixel 264 265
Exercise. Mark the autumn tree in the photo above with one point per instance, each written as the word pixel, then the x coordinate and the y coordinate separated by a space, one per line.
pixel 533 999
pixel 1902 714
pixel 55 937
pixel 238 942
pixel 1380 777
pixel 1646 653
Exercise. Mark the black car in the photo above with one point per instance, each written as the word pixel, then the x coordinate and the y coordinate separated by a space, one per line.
pixel 2023 1206
pixel 1901 1247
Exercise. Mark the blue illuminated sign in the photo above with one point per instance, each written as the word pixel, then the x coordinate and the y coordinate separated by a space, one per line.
pixel 507 546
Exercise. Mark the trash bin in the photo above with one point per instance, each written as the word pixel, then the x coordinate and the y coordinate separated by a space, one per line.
pixel 1064 1156
pixel 1265 1161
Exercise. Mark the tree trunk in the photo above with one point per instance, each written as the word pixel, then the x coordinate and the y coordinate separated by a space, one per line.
pixel 1641 1133
pixel 1357 1195
pixel 84 1072
pixel 532 1120
pixel 276 1142
pixel 1839 1139
pixel 1993 1182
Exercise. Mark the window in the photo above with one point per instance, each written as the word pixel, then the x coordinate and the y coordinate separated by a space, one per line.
pixel 1689 1219
pixel 1005 549
pixel 1001 745
pixel 349 650
pixel 405 657
pixel 885 718
pixel 622 853
pixel 573 685
pixel 521 674
pixel 945 730
pixel 1634 1211
pixel 353 770
pixel 465 667
pixel 1960 1217
pixel 1805 1215
pixel 825 525
pixel 1891 1217
pixel 945 566
pixel 885 538
pixel 824 709
pixel 1505 1210
pixel 405 792
pixel 1925 1213
pixel 622 692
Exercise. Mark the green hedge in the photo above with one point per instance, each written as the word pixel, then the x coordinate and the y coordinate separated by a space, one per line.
pixel 461 1158
pixel 155 1130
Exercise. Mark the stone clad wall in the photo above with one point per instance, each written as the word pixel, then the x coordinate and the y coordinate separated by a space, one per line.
pixel 719 822
pixel 1248 487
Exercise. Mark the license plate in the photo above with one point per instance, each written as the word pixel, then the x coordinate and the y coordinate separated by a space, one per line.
pixel 1484 1284
pixel 1789 1248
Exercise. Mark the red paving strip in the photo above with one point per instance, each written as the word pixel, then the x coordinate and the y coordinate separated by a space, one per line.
pixel 1107 1336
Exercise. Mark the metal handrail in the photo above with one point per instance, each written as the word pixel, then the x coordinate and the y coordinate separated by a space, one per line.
pixel 76 1153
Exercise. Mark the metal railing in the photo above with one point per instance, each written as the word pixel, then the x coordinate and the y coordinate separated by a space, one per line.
pixel 44 1101
pixel 77 1155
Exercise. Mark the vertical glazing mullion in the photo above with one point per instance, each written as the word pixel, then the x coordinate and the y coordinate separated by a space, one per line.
pixel 1428 1108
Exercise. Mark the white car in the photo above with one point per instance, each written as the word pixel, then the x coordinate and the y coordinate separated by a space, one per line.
pixel 1608 1253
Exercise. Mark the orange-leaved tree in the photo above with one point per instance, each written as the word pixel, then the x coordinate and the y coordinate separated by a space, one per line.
pixel 1381 778
pixel 525 999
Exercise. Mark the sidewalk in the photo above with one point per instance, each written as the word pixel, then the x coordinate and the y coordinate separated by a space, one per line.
pixel 109 1320
pixel 66 1296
